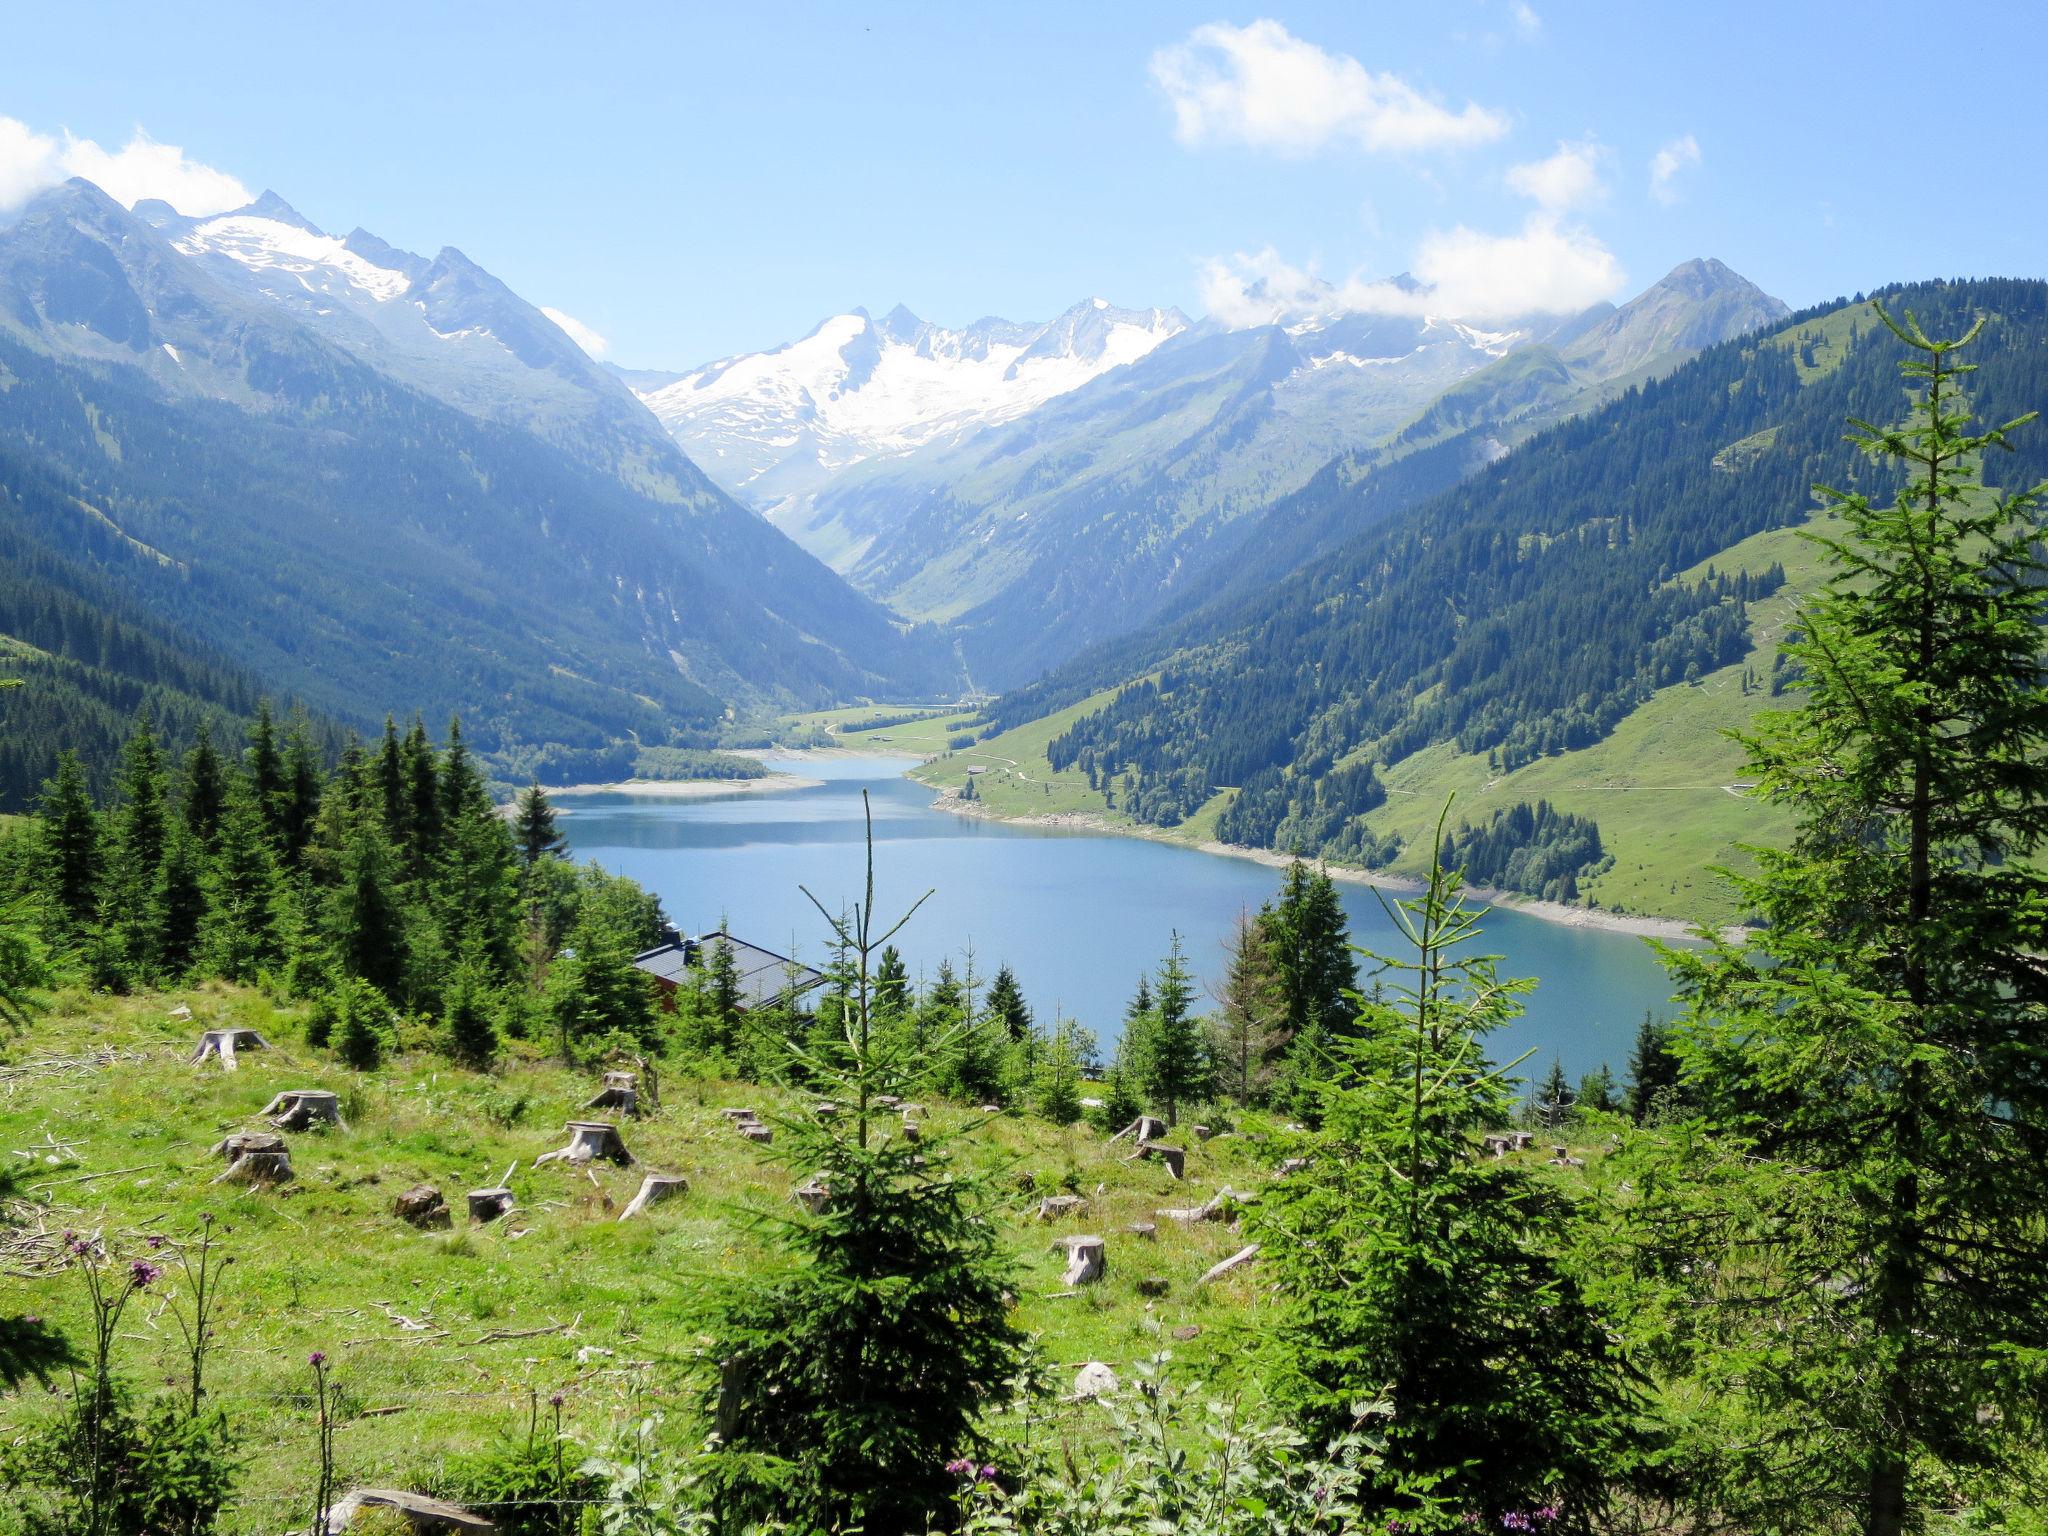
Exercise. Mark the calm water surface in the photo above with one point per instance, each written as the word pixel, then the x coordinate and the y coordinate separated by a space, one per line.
pixel 1078 915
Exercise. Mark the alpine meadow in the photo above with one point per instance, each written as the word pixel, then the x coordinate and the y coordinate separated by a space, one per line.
pixel 1383 873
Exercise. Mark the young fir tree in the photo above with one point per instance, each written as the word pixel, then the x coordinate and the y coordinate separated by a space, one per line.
pixel 1868 1218
pixel 266 771
pixel 298 793
pixel 1413 1268
pixel 1006 1006
pixel 203 789
pixel 390 773
pixel 1251 1013
pixel 178 901
pixel 1554 1098
pixel 362 920
pixel 467 1025
pixel 1595 1093
pixel 891 987
pixel 1653 1085
pixel 724 1003
pixel 853 1366
pixel 1059 1077
pixel 1177 1072
pixel 533 827
pixel 238 939
pixel 71 848
pixel 135 856
pixel 422 803
pixel 361 1024
pixel 1311 948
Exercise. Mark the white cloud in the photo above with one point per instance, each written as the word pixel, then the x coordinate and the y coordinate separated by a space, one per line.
pixel 1566 180
pixel 1677 156
pixel 578 332
pixel 1527 22
pixel 1545 267
pixel 31 161
pixel 1262 86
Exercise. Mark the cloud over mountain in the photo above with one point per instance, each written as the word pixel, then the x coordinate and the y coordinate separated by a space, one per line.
pixel 141 168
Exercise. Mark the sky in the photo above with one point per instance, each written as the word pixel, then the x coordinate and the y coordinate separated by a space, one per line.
pixel 680 182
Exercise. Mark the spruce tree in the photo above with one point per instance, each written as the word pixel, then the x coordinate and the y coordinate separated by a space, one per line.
pixel 851 1370
pixel 361 1024
pixel 71 846
pixel 422 803
pixel 1251 1013
pixel 1059 1079
pixel 1177 1071
pixel 1311 946
pixel 203 790
pixel 135 856
pixel 1007 1008
pixel 390 772
pixel 178 901
pixel 238 938
pixel 467 1026
pixel 724 1002
pixel 534 827
pixel 298 792
pixel 1414 1268
pixel 1868 1218
pixel 1653 1085
pixel 363 922
pixel 266 771
pixel 892 987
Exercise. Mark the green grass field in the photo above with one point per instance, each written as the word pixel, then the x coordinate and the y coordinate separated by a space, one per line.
pixel 852 727
pixel 436 1338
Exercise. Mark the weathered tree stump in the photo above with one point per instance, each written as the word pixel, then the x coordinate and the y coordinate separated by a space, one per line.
pixel 1093 1380
pixel 254 1157
pixel 1143 1129
pixel 814 1194
pixel 1053 1207
pixel 588 1141
pixel 223 1043
pixel 1143 1229
pixel 1237 1260
pixel 1175 1158
pixel 182 1013
pixel 1216 1208
pixel 654 1188
pixel 1188 1331
pixel 886 1101
pixel 911 1132
pixel 302 1107
pixel 423 1206
pixel 738 1115
pixel 825 1109
pixel 1086 1260
pixel 486 1205
pixel 1290 1165
pixel 421 1513
pixel 755 1131
pixel 621 1092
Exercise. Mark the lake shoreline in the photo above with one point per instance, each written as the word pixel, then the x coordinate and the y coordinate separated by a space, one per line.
pixel 1566 916
pixel 690 789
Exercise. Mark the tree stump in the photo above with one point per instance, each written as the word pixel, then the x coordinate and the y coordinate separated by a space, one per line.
pixel 1143 1229
pixel 487 1205
pixel 737 1115
pixel 1093 1380
pixel 1237 1260
pixel 755 1131
pixel 1215 1208
pixel 654 1188
pixel 224 1043
pixel 423 1206
pixel 589 1140
pixel 1175 1158
pixel 1086 1260
pixel 254 1157
pixel 302 1107
pixel 1053 1207
pixel 1153 1285
pixel 814 1194
pixel 1291 1165
pixel 621 1092
pixel 911 1133
pixel 420 1512
pixel 1143 1129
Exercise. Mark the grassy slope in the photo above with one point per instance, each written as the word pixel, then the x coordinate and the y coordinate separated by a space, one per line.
pixel 1655 786
pixel 323 1264
pixel 850 727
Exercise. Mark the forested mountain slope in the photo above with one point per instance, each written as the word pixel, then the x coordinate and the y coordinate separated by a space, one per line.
pixel 1584 593
pixel 370 546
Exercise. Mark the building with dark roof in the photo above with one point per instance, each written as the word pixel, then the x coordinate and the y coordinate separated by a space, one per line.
pixel 766 979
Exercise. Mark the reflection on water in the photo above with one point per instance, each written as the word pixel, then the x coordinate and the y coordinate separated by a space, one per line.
pixel 1078 915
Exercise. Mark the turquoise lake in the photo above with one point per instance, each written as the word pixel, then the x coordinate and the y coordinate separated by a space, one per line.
pixel 1078 915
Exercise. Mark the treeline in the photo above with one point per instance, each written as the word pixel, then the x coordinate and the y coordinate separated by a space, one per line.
pixel 1535 849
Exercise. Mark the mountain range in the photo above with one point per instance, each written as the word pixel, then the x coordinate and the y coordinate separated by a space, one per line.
pixel 1037 531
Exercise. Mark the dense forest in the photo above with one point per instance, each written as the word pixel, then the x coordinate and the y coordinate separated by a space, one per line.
pixel 1527 610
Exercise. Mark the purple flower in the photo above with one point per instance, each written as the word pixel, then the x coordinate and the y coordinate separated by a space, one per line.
pixel 156 1241
pixel 144 1273
pixel 960 1466
pixel 555 1401
pixel 317 1359
pixel 988 1474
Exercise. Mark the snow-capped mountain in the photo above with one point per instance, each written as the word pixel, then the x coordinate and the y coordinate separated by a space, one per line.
pixel 443 325
pixel 774 426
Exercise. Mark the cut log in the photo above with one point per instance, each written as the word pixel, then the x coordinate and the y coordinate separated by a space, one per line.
pixel 814 1194
pixel 423 1206
pixel 653 1188
pixel 223 1043
pixel 1054 1207
pixel 1175 1158
pixel 254 1157
pixel 589 1140
pixel 1217 1207
pixel 420 1512
pixel 182 1013
pixel 1144 1128
pixel 299 1108
pixel 1086 1260
pixel 621 1091
pixel 1093 1380
pixel 489 1204
pixel 1237 1260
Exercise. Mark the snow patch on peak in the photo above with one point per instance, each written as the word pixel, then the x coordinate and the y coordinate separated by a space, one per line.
pixel 278 251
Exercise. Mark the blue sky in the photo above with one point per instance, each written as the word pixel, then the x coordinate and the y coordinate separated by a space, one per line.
pixel 690 181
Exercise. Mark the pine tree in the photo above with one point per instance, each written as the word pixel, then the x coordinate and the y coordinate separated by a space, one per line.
pixel 266 771
pixel 466 1022
pixel 1653 1084
pixel 1177 1072
pixel 361 1024
pixel 238 938
pixel 178 901
pixel 135 856
pixel 1059 1079
pixel 1554 1099
pixel 892 987
pixel 1872 1066
pixel 1251 1014
pixel 534 826
pixel 298 792
pixel 1412 1267
pixel 71 846
pixel 865 1358
pixel 363 922
pixel 203 792
pixel 1007 1008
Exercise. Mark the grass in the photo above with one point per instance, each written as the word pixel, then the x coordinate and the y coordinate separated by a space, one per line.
pixel 853 727
pixel 436 1338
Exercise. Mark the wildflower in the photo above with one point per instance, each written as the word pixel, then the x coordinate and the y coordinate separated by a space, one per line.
pixel 555 1400
pixel 317 1359
pixel 156 1241
pixel 988 1474
pixel 960 1466
pixel 143 1273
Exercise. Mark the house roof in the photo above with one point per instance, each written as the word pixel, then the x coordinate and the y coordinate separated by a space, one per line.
pixel 764 976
